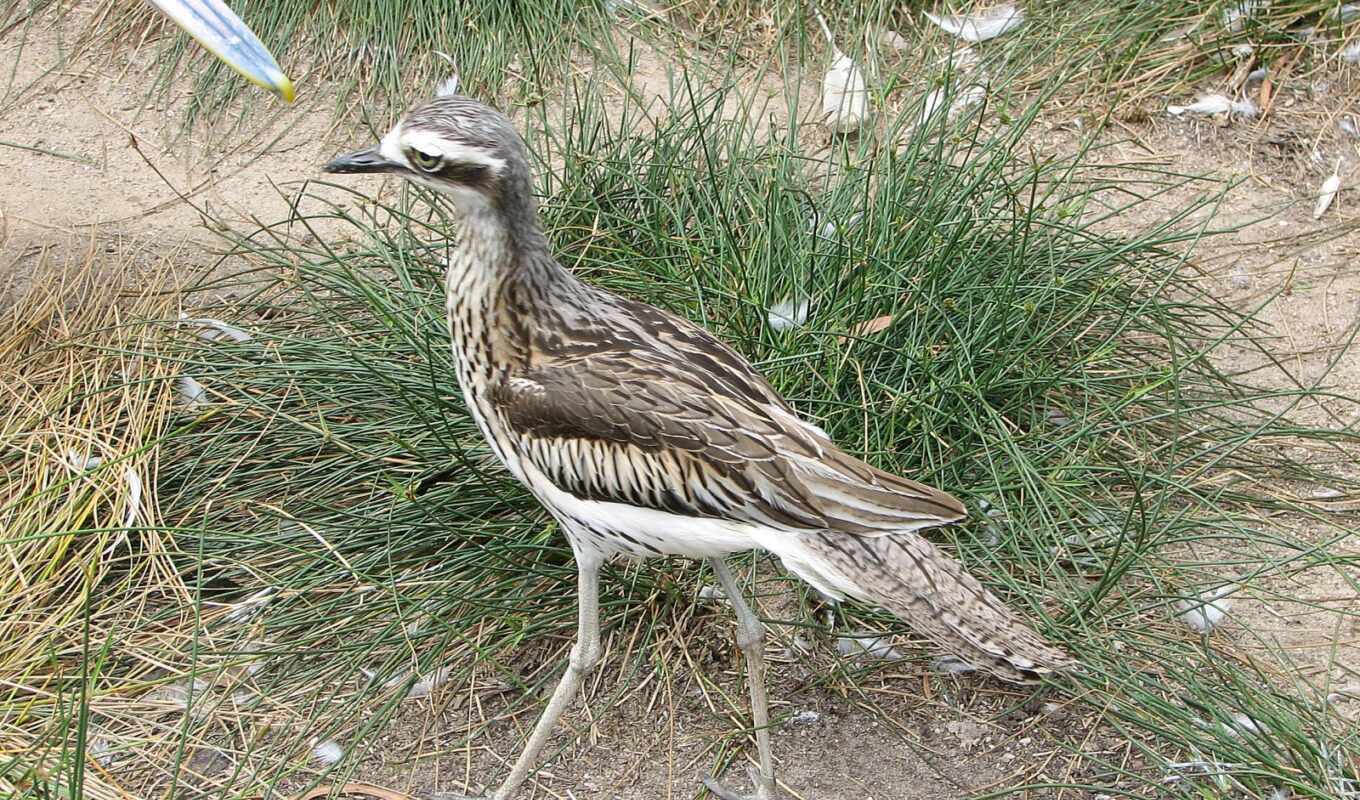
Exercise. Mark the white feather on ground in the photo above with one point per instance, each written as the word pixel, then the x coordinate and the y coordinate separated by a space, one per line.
pixel 832 226
pixel 77 461
pixel 893 40
pixel 1235 17
pixel 791 312
pixel 1351 55
pixel 252 605
pixel 328 752
pixel 1209 610
pixel 429 682
pixel 130 477
pixel 1327 193
pixel 216 329
pixel 1216 104
pixel 189 393
pixel 134 500
pixel 980 27
pixel 875 646
pixel 932 108
pixel 423 685
pixel 845 94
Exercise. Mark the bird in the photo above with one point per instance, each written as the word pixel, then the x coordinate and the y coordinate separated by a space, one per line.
pixel 643 435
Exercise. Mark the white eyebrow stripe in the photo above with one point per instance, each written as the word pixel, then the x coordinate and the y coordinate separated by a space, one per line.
pixel 456 152
pixel 390 148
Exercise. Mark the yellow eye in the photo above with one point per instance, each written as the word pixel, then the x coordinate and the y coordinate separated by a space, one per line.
pixel 425 161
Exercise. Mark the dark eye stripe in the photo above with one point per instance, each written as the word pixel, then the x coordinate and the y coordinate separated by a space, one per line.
pixel 464 173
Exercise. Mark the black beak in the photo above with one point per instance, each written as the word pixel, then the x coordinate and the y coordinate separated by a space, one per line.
pixel 369 160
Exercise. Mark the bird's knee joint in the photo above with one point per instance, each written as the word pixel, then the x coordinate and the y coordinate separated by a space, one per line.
pixel 584 657
pixel 750 637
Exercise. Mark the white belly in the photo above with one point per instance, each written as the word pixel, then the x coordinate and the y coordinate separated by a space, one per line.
pixel 608 528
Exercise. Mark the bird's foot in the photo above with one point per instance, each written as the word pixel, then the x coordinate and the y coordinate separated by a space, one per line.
pixel 763 791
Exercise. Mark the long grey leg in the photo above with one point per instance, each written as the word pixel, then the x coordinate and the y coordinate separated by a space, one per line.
pixel 751 640
pixel 584 655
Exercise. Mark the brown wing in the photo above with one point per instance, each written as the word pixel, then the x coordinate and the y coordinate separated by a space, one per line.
pixel 649 427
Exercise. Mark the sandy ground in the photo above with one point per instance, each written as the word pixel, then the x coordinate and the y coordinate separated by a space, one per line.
pixel 112 178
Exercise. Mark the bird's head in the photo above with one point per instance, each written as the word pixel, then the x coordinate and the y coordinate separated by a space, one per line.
pixel 455 145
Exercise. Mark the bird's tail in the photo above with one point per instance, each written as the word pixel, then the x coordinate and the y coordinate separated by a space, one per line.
pixel 907 575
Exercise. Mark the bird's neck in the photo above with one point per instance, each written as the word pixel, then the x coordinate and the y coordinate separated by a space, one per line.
pixel 500 277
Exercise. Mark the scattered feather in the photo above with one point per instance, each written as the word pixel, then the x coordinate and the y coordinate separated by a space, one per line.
pixel 1241 725
pixel 1256 76
pixel 1327 193
pixel 215 329
pixel 252 605
pixel 1348 12
pixel 845 96
pixel 1209 610
pixel 1347 126
pixel 1351 55
pixel 1057 417
pixel 952 665
pixel 1176 34
pixel 428 683
pixel 875 646
pixel 710 592
pixel 959 101
pixel 134 500
pixel 1235 17
pixel 980 27
pixel 1216 104
pixel 77 461
pixel 1243 51
pixel 1240 278
pixel 101 751
pixel 788 313
pixel 328 752
pixel 1327 493
pixel 832 229
pixel 893 40
pixel 449 86
pixel 130 477
pixel 804 717
pixel 178 694
pixel 189 393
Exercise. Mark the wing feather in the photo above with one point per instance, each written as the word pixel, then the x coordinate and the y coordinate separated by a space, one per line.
pixel 675 420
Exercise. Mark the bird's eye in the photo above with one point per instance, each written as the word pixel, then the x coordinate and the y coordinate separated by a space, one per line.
pixel 425 161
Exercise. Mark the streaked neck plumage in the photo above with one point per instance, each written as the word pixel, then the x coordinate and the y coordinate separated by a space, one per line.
pixel 500 276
